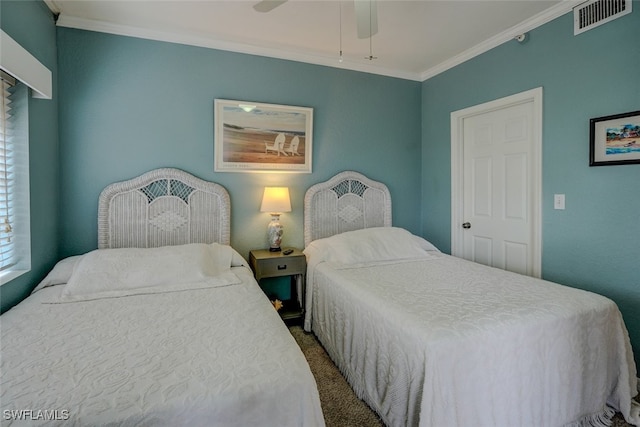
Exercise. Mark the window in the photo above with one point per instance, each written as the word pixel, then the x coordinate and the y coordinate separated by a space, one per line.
pixel 20 72
pixel 6 176
pixel 15 257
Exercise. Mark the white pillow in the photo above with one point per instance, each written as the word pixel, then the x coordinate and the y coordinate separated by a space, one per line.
pixel 425 244
pixel 108 273
pixel 60 274
pixel 369 246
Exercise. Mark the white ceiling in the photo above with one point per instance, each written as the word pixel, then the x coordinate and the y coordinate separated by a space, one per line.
pixel 415 39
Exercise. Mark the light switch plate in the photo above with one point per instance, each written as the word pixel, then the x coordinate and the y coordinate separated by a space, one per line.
pixel 558 201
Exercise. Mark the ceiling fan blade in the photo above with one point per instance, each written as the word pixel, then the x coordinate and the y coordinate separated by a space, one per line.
pixel 267 5
pixel 366 18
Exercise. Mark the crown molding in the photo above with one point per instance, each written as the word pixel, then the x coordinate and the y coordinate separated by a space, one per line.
pixel 507 35
pixel 53 6
pixel 186 39
pixel 172 37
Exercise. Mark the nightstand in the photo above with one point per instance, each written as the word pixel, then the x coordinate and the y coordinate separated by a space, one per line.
pixel 275 264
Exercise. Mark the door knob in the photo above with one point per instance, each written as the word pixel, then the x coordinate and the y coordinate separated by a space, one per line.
pixel 466 225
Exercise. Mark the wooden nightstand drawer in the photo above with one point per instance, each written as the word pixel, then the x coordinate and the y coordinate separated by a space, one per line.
pixel 275 264
pixel 281 267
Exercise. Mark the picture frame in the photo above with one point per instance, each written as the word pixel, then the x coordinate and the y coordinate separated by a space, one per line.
pixel 259 137
pixel 615 140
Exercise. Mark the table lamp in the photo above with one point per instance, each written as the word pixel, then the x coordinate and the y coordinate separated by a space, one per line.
pixel 275 201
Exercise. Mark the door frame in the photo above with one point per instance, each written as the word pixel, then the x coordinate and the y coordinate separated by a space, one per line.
pixel 457 170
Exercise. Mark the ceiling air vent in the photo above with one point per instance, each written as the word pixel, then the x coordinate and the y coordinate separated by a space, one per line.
pixel 592 13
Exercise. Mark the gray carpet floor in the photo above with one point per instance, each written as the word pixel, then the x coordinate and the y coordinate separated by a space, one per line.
pixel 340 406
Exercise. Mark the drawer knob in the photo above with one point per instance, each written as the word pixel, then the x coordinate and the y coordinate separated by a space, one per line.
pixel 282 267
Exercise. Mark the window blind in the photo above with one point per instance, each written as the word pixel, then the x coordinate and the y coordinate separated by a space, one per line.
pixel 7 176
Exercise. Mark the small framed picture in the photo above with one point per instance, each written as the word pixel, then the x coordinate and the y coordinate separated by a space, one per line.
pixel 615 140
pixel 257 137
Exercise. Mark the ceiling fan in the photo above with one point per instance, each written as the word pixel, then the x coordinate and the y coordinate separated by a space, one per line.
pixel 366 14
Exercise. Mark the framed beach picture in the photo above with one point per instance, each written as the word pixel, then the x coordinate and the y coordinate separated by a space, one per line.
pixel 615 140
pixel 256 137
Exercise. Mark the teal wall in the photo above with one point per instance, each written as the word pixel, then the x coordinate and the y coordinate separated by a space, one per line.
pixel 31 24
pixel 128 105
pixel 595 243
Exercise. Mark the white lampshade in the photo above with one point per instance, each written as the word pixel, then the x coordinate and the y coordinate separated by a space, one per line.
pixel 276 200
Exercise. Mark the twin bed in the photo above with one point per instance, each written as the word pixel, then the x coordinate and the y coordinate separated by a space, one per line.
pixel 431 340
pixel 179 333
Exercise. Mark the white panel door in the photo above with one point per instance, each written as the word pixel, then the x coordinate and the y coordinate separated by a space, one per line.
pixel 497 188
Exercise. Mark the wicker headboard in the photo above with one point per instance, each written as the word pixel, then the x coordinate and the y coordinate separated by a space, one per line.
pixel 348 201
pixel 163 207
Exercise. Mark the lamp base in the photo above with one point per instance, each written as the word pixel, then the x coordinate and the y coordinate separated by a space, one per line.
pixel 275 231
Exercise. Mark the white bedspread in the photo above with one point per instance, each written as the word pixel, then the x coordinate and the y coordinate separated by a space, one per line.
pixel 446 342
pixel 203 357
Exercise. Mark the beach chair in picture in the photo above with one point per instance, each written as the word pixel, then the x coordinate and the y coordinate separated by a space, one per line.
pixel 293 146
pixel 278 145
